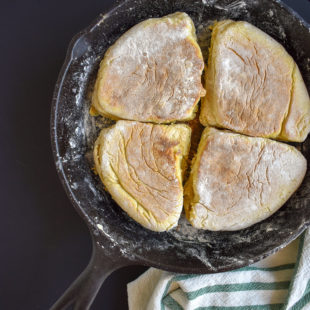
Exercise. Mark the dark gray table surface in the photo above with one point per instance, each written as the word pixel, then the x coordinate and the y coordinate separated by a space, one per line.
pixel 44 243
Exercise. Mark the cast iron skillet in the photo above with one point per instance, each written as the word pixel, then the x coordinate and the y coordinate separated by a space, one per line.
pixel 118 240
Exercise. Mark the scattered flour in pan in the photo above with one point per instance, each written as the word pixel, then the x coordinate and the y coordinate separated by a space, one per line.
pixel 186 232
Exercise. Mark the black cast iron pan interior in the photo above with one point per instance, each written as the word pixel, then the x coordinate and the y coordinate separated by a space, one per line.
pixel 118 240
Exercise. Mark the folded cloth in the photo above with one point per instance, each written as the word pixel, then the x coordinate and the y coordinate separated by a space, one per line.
pixel 281 281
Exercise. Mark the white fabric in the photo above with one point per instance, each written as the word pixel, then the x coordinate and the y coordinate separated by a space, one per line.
pixel 273 283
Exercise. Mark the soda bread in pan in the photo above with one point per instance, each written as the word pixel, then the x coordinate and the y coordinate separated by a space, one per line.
pixel 237 181
pixel 141 165
pixel 253 85
pixel 152 73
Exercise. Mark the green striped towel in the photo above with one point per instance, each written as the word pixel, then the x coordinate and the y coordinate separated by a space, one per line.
pixel 281 281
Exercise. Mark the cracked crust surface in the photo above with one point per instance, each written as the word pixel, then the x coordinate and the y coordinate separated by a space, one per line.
pixel 141 165
pixel 253 85
pixel 237 181
pixel 152 73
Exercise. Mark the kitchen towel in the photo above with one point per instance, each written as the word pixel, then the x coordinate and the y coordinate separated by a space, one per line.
pixel 281 281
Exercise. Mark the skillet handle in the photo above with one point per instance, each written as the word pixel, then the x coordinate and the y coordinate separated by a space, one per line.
pixel 82 292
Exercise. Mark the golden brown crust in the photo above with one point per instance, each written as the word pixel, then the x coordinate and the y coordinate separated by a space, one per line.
pixel 237 180
pixel 140 165
pixel 253 85
pixel 296 124
pixel 152 73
